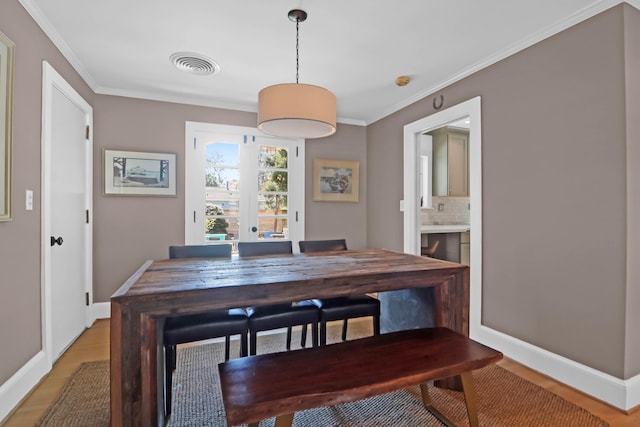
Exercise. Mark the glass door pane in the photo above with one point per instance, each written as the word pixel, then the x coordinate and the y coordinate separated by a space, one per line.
pixel 242 187
pixel 222 195
pixel 273 192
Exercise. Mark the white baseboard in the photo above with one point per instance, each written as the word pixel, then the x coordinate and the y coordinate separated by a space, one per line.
pixel 21 383
pixel 27 377
pixel 101 310
pixel 623 394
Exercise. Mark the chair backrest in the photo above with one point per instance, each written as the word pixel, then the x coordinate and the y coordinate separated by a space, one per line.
pixel 265 248
pixel 201 251
pixel 323 245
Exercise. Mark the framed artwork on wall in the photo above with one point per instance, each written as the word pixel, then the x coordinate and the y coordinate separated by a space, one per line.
pixel 133 173
pixel 6 106
pixel 336 180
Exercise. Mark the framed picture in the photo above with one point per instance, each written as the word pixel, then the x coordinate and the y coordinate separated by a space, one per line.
pixel 6 102
pixel 335 180
pixel 132 173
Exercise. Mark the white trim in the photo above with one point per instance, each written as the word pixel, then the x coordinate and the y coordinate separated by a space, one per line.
pixel 40 18
pixel 597 6
pixel 412 132
pixel 623 394
pixel 587 12
pixel 20 384
pixel 296 186
pixel 100 310
pixel 202 102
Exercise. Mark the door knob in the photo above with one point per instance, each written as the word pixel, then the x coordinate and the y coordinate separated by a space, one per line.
pixel 54 241
pixel 254 229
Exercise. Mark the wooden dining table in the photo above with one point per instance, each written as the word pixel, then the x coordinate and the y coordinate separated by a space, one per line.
pixel 159 289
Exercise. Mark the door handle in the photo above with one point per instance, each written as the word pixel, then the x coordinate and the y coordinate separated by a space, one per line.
pixel 254 228
pixel 54 241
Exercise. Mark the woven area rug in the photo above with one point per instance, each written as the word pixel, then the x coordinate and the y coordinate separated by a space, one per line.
pixel 504 399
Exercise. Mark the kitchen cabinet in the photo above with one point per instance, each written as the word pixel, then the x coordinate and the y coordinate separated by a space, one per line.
pixel 465 248
pixel 454 243
pixel 450 162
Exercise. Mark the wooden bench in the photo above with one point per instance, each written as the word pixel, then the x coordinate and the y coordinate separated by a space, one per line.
pixel 279 384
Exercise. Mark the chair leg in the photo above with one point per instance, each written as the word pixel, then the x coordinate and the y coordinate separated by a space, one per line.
pixel 376 324
pixel 314 334
pixel 168 369
pixel 303 336
pixel 345 322
pixel 227 347
pixel 252 342
pixel 322 339
pixel 243 345
pixel 288 338
pixel 172 356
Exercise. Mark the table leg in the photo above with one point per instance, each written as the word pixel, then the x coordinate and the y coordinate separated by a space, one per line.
pixel 452 296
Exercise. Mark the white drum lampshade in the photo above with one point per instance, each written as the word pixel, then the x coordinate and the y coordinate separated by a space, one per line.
pixel 295 110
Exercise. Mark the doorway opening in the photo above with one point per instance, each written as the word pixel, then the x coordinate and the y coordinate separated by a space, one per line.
pixel 414 136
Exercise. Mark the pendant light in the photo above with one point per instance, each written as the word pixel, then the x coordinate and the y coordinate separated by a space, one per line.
pixel 295 110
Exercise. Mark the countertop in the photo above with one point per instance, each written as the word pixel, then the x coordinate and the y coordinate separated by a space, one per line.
pixel 445 228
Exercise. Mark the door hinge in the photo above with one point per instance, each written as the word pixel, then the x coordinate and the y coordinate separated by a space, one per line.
pixel 194 217
pixel 194 143
pixel 86 298
pixel 296 216
pixel 297 151
pixel 86 136
pixel 87 216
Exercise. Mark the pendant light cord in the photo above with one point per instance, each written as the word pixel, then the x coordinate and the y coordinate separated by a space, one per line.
pixel 297 50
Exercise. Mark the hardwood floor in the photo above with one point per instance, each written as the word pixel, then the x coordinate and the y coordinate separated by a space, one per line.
pixel 93 344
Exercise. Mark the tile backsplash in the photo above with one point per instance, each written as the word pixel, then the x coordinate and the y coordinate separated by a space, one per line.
pixel 455 211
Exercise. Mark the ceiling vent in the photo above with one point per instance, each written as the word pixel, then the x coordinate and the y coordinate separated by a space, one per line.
pixel 194 63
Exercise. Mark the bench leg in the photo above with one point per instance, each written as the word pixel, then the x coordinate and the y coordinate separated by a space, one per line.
pixel 426 399
pixel 281 421
pixel 469 399
pixel 284 420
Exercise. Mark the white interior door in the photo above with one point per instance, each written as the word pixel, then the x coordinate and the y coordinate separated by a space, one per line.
pixel 66 188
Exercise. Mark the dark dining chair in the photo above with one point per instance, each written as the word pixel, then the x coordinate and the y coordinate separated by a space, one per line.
pixel 430 251
pixel 204 326
pixel 341 308
pixel 274 316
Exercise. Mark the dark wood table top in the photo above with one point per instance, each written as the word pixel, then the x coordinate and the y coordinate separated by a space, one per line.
pixel 185 286
pixel 240 281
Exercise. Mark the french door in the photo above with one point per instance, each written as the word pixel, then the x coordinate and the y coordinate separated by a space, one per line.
pixel 241 185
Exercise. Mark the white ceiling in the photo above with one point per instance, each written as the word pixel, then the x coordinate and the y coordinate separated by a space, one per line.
pixel 355 48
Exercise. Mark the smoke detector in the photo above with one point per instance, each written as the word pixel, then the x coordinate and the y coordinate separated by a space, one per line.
pixel 403 81
pixel 194 63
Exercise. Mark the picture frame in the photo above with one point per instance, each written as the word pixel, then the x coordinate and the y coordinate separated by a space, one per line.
pixel 336 180
pixel 7 54
pixel 135 173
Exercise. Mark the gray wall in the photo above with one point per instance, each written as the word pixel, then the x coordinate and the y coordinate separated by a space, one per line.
pixel 554 191
pixel 127 230
pixel 20 238
pixel 632 83
pixel 131 230
pixel 559 132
